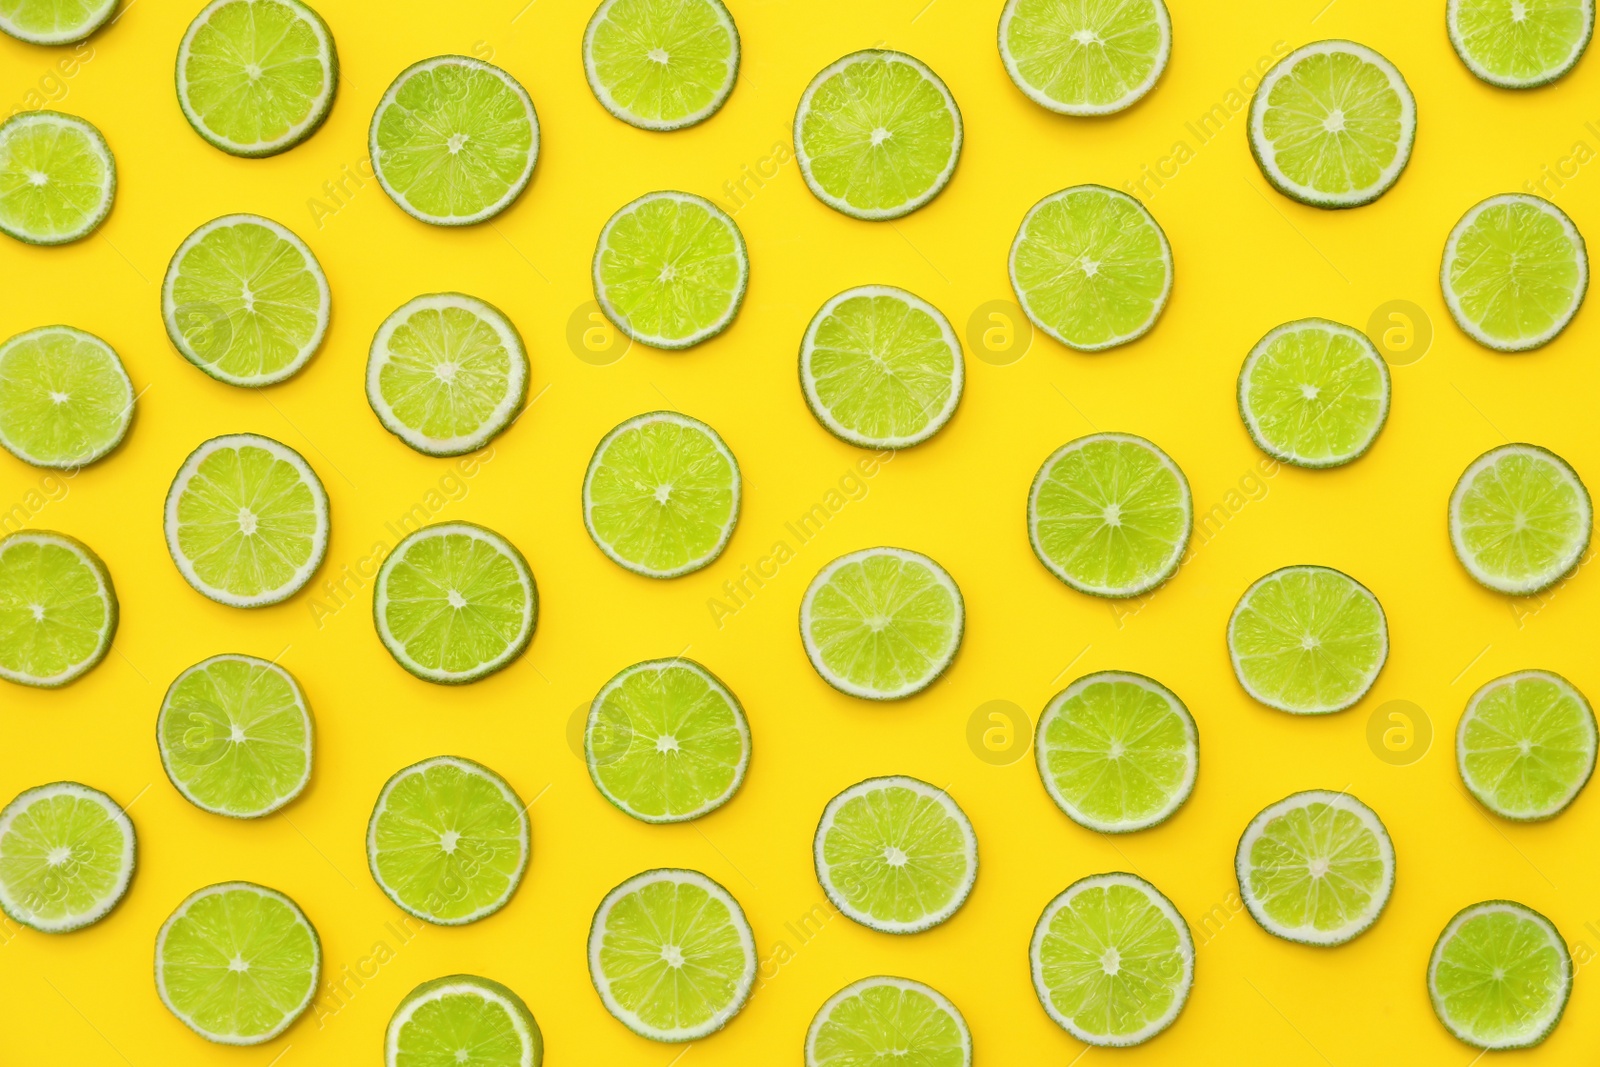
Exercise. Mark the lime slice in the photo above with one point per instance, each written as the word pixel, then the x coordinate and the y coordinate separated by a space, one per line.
pixel 1117 752
pixel 896 854
pixel 1112 960
pixel 447 373
pixel 1308 640
pixel 1520 519
pixel 661 496
pixel 1332 124
pixel 1523 44
pixel 1526 745
pixel 670 269
pixel 53 21
pixel 257 77
pixel 882 623
pixel 57 178
pixel 455 602
pixel 1316 867
pixel 881 368
pixel 65 399
pixel 671 955
pixel 1091 267
pixel 877 135
pixel 246 520
pixel 462 1021
pixel 1515 272
pixel 666 741
pixel 885 1020
pixel 661 64
pixel 235 736
pixel 1500 976
pixel 1314 393
pixel 1088 58
pixel 66 857
pixel 454 140
pixel 237 963
pixel 58 610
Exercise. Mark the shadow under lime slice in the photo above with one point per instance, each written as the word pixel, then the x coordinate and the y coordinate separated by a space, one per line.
pixel 886 1020
pixel 57 178
pixel 1520 519
pixel 463 1021
pixel 66 857
pixel 1526 745
pixel 1089 58
pixel 58 609
pixel 661 64
pixel 1500 976
pixel 65 399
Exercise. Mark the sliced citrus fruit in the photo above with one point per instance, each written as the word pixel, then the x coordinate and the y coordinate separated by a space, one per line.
pixel 58 609
pixel 66 857
pixel 1520 519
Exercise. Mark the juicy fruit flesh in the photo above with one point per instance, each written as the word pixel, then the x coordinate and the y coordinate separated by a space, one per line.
pixel 1316 394
pixel 662 495
pixel 897 855
pixel 663 60
pixel 1522 41
pixel 254 72
pixel 234 735
pixel 1088 53
pixel 1310 640
pixel 1522 520
pixel 455 602
pixel 672 268
pixel 1516 272
pixel 54 178
pixel 887 1023
pixel 63 397
pixel 1500 978
pixel 447 372
pixel 1528 745
pixel 61 858
pixel 247 521
pixel 1334 123
pixel 1317 868
pixel 461 1029
pixel 51 18
pixel 1117 751
pixel 53 611
pixel 881 366
pixel 884 623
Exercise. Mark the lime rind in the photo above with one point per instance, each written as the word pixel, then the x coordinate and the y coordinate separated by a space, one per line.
pixel 112 361
pixel 97 148
pixel 1263 352
pixel 1084 109
pixel 1471 718
pixel 1459 40
pixel 1452 297
pixel 608 99
pixel 103 588
pixel 904 986
pixel 96 14
pixel 516 1011
pixel 128 857
pixel 1569 557
pixel 1544 1026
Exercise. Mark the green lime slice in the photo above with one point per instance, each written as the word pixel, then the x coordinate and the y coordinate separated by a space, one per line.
pixel 1515 272
pixel 1094 57
pixel 896 854
pixel 1500 976
pixel 246 520
pixel 881 367
pixel 1112 960
pixel 884 1020
pixel 65 399
pixel 1316 867
pixel 1522 44
pixel 66 857
pixel 1520 519
pixel 1332 124
pixel 1091 267
pixel 1314 393
pixel 670 269
pixel 58 610
pixel 455 602
pixel 447 373
pixel 877 134
pixel 671 955
pixel 235 736
pixel 661 64
pixel 54 21
pixel 237 963
pixel 1117 752
pixel 57 178
pixel 462 1021
pixel 454 140
pixel 1526 745
pixel 257 77
pixel 1308 640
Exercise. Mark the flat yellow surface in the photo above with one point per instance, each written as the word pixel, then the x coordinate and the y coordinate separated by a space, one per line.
pixel 1246 260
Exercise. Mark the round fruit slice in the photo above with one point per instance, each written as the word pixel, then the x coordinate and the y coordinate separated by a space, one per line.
pixel 877 135
pixel 896 854
pixel 454 140
pixel 237 963
pixel 671 955
pixel 881 368
pixel 257 77
pixel 463 1020
pixel 1117 752
pixel 58 610
pixel 1520 519
pixel 57 178
pixel 1332 125
pixel 1308 640
pixel 1523 44
pixel 1090 58
pixel 455 602
pixel 1091 267
pixel 54 21
pixel 1500 976
pixel 1112 960
pixel 661 64
pixel 1314 393
pixel 882 623
pixel 1515 272
pixel 235 736
pixel 886 1020
pixel 65 399
pixel 1526 745
pixel 661 496
pixel 447 373
pixel 1316 867
pixel 66 857
pixel 246 520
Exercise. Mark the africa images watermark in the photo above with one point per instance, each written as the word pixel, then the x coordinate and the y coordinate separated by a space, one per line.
pixel 53 86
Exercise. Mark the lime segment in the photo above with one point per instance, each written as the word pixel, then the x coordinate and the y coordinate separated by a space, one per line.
pixel 462 1021
pixel 58 610
pixel 1520 519
pixel 1515 272
pixel 54 21
pixel 66 857
pixel 65 399
pixel 1314 393
pixel 1092 57
pixel 1500 976
pixel 57 178
pixel 1523 44
pixel 1526 745
pixel 887 1020
pixel 661 64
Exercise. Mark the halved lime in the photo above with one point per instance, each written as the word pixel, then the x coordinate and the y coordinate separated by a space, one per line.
pixel 1092 57
pixel 1331 125
pixel 877 134
pixel 58 609
pixel 661 64
pixel 65 399
pixel 671 955
pixel 884 1020
pixel 1500 976
pixel 1515 272
pixel 1520 519
pixel 1526 745
pixel 454 140
pixel 1091 267
pixel 1520 44
pixel 53 21
pixel 1314 393
pixel 57 178
pixel 455 602
pixel 1112 960
pixel 66 857
pixel 462 1021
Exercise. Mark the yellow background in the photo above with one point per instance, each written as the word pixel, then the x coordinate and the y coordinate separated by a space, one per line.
pixel 1246 260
